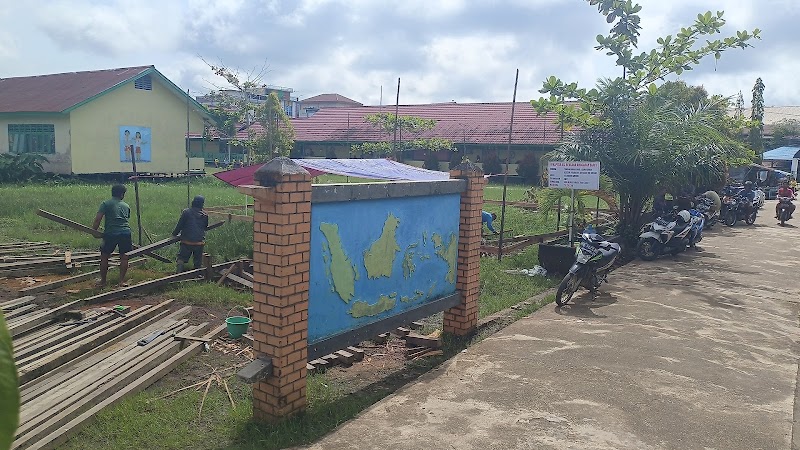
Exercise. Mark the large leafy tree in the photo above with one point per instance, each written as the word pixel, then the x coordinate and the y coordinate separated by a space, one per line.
pixel 237 110
pixel 643 135
pixel 408 127
pixel 785 132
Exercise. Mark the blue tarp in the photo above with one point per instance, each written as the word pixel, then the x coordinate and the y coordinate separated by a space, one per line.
pixel 782 154
pixel 376 169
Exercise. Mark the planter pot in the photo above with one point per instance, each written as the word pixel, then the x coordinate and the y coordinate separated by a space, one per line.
pixel 556 258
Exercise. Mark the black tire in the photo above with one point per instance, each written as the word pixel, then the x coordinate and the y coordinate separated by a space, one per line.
pixel 646 249
pixel 784 216
pixel 730 218
pixel 750 218
pixel 569 285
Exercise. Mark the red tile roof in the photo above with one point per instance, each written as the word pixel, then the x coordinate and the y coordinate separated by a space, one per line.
pixel 61 91
pixel 474 123
pixel 330 98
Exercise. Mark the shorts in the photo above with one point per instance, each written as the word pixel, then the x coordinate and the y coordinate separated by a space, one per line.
pixel 112 241
pixel 187 251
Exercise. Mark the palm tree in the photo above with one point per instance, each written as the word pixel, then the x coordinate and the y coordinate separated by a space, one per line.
pixel 648 141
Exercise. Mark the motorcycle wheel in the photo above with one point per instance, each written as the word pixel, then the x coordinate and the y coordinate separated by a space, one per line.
pixel 730 218
pixel 567 288
pixel 784 215
pixel 751 218
pixel 646 250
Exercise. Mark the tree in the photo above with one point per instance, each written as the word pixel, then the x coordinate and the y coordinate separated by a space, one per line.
pixel 739 113
pixel 642 136
pixel 406 125
pixel 757 116
pixel 785 132
pixel 240 109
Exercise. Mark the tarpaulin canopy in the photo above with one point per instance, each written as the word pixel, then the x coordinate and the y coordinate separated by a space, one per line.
pixel 376 169
pixel 782 154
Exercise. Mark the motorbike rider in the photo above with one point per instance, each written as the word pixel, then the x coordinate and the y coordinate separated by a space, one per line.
pixel 785 191
pixel 750 195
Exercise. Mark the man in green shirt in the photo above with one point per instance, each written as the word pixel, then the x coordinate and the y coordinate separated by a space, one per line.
pixel 116 232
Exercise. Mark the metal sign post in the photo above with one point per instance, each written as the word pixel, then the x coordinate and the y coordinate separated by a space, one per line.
pixel 573 175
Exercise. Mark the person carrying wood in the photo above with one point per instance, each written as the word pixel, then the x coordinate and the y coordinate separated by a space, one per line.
pixel 192 230
pixel 116 233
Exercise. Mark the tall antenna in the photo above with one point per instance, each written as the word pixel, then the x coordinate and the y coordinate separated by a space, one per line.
pixel 396 120
pixel 505 175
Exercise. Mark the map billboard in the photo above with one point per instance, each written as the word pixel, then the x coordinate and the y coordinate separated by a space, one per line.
pixel 373 259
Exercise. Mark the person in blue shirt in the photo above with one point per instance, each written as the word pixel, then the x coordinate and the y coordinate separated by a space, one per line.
pixel 487 218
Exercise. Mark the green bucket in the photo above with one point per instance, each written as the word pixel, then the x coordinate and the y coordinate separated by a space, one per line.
pixel 237 325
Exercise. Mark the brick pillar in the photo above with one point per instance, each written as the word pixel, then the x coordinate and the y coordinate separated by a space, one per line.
pixel 281 247
pixel 463 319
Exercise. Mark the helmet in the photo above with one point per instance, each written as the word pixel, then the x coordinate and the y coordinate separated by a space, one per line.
pixel 685 216
pixel 748 184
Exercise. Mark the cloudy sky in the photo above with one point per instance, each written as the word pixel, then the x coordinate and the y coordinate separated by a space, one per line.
pixel 443 50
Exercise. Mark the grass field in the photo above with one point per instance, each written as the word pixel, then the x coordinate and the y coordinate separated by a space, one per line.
pixel 144 420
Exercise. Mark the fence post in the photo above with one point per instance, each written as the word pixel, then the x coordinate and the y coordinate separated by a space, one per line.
pixel 463 319
pixel 281 248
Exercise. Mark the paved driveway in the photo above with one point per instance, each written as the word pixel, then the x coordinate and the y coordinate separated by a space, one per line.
pixel 696 351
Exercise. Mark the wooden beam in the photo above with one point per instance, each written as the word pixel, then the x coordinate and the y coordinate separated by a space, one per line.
pixel 61 434
pixel 165 242
pixel 74 279
pixel 16 303
pixel 69 223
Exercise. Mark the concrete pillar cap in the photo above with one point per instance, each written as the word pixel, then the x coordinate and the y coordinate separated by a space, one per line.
pixel 273 172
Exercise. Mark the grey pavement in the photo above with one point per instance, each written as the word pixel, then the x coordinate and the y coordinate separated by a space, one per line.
pixel 697 351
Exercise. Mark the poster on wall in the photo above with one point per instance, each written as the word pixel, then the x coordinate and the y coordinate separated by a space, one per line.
pixel 134 141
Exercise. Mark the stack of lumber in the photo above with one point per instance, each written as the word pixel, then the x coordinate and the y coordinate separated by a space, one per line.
pixel 13 248
pixel 69 373
pixel 59 263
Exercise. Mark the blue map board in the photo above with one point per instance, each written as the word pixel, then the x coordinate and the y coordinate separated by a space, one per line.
pixel 372 259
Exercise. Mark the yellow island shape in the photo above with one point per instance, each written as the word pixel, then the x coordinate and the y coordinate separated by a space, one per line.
pixel 342 270
pixel 379 257
pixel 449 253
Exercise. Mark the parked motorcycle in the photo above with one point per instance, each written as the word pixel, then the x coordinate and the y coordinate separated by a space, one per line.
pixel 594 257
pixel 698 222
pixel 735 209
pixel 705 206
pixel 666 236
pixel 784 208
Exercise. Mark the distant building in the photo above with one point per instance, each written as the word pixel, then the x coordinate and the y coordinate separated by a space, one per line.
pixel 477 131
pixel 97 121
pixel 313 104
pixel 259 95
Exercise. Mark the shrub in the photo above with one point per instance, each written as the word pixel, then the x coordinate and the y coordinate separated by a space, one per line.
pixel 22 167
pixel 528 169
pixel 431 160
pixel 491 165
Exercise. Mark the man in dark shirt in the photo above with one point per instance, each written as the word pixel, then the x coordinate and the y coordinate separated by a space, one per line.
pixel 116 233
pixel 192 229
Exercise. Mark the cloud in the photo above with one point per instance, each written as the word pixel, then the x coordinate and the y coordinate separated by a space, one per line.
pixel 462 50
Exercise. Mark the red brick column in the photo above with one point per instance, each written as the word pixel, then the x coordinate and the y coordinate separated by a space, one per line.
pixel 281 247
pixel 463 319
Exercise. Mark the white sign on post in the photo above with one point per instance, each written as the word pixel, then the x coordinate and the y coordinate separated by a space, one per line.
pixel 574 175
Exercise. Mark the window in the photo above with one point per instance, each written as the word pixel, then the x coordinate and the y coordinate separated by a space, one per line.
pixel 144 83
pixel 32 138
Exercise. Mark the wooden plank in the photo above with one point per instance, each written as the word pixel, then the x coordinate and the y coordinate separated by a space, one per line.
pixel 56 261
pixel 30 323
pixel 357 353
pixel 74 279
pixel 17 302
pixel 417 340
pixel 225 274
pixel 19 311
pixel 401 332
pixel 96 391
pixel 61 434
pixel 38 366
pixel 240 280
pixel 165 242
pixel 69 223
pixel 345 358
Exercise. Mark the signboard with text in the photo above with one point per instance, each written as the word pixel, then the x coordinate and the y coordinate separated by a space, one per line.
pixel 574 175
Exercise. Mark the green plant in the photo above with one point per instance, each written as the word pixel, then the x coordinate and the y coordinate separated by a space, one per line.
pixel 528 169
pixel 406 126
pixel 9 390
pixel 431 160
pixel 757 116
pixel 21 167
pixel 643 135
pixel 491 164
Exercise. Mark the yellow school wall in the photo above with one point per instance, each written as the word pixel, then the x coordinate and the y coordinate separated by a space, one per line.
pixel 95 129
pixel 56 163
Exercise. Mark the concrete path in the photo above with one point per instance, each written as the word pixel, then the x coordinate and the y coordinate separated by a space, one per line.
pixel 693 352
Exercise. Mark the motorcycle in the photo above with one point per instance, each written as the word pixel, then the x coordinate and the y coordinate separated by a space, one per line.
pixel 666 235
pixel 705 206
pixel 594 257
pixel 735 209
pixel 784 209
pixel 698 223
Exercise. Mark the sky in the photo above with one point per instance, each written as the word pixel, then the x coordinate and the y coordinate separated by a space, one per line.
pixel 442 50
